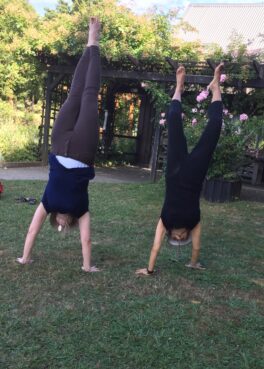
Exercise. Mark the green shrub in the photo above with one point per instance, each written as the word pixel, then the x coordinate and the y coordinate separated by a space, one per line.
pixel 18 134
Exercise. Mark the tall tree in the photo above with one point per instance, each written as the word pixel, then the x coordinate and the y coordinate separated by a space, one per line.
pixel 18 35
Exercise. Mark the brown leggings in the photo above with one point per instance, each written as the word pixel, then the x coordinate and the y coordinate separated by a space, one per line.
pixel 76 130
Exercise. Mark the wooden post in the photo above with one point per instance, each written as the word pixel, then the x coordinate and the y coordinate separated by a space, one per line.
pixel 259 68
pixel 257 173
pixel 109 129
pixel 155 153
pixel 146 126
pixel 45 147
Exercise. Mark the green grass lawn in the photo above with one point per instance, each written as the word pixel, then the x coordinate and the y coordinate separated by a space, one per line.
pixel 55 316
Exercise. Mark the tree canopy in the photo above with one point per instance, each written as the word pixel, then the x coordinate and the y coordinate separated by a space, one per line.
pixel 24 35
pixel 153 36
pixel 18 31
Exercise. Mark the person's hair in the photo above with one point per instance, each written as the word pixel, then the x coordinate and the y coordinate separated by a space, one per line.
pixel 174 242
pixel 169 232
pixel 54 223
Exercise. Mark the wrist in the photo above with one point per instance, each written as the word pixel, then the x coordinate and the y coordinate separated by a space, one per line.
pixel 150 271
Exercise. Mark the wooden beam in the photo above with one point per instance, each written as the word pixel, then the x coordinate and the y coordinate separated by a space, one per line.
pixel 57 81
pixel 253 83
pixel 134 61
pixel 160 77
pixel 155 77
pixel 172 63
pixel 211 64
pixel 61 69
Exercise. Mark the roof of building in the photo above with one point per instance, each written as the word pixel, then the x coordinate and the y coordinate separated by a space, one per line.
pixel 215 23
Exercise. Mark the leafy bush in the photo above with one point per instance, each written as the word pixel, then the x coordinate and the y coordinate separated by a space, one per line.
pixel 18 140
pixel 238 137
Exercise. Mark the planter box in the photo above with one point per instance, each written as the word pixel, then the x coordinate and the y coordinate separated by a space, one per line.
pixel 217 190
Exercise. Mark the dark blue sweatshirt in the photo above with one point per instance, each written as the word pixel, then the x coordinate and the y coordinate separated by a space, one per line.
pixel 181 208
pixel 67 189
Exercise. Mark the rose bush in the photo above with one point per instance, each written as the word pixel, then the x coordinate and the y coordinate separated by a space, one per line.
pixel 238 136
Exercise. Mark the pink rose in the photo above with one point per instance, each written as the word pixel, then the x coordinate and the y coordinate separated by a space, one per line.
pixel 223 78
pixel 234 54
pixel 202 96
pixel 144 84
pixel 205 93
pixel 243 117
pixel 162 122
pixel 225 111
pixel 162 115
pixel 194 122
pixel 194 110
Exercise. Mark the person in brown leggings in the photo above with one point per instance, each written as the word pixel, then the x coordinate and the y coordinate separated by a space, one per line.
pixel 74 143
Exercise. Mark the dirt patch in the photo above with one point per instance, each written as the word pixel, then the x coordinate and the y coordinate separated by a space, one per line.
pixel 259 282
pixel 181 289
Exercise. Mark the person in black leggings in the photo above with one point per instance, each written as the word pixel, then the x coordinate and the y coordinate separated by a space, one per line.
pixel 74 143
pixel 185 173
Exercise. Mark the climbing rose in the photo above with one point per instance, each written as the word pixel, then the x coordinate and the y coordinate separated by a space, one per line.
pixel 234 54
pixel 162 122
pixel 225 111
pixel 202 96
pixel 162 115
pixel 243 117
pixel 194 122
pixel 194 110
pixel 223 78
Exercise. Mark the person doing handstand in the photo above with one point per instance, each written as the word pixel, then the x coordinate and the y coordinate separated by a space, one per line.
pixel 74 143
pixel 185 173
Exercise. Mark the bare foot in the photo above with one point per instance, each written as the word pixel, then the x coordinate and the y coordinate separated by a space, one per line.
pixel 23 262
pixel 197 266
pixel 215 84
pixel 92 269
pixel 94 32
pixel 180 78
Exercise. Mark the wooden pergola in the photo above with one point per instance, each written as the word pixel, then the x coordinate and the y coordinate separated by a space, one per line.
pixel 127 76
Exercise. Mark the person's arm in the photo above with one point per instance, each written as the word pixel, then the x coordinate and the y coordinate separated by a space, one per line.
pixel 85 234
pixel 37 221
pixel 159 236
pixel 196 243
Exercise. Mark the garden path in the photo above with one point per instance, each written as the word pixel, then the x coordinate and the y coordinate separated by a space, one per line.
pixel 103 175
pixel 127 174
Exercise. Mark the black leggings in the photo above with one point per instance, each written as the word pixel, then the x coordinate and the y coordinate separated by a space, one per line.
pixel 76 130
pixel 191 167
